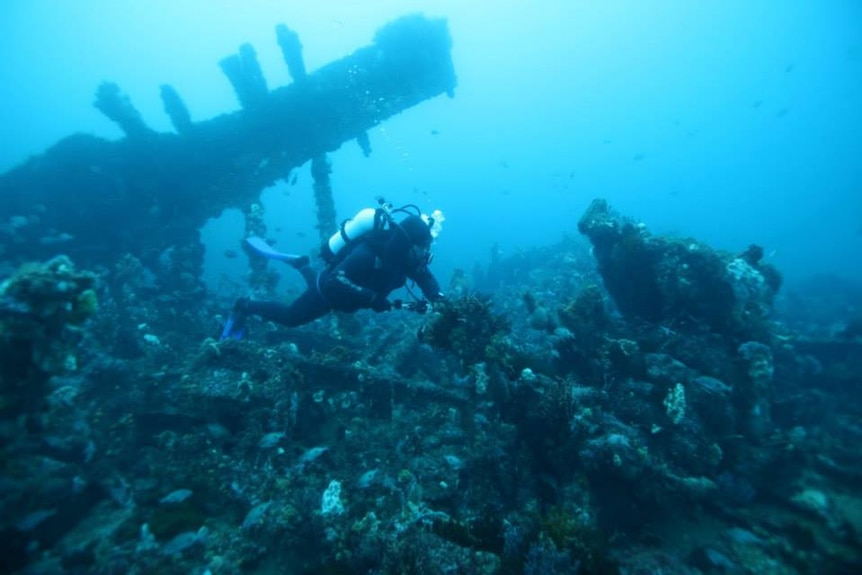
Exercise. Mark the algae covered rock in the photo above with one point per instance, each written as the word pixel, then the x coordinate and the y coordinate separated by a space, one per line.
pixel 469 328
pixel 42 309
pixel 680 282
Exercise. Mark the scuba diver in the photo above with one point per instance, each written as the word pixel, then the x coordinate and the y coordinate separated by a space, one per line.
pixel 370 256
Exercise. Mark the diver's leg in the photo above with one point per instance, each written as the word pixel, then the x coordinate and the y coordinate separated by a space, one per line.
pixel 307 307
pixel 309 274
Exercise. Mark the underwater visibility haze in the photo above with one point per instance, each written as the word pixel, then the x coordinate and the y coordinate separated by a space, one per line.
pixel 630 339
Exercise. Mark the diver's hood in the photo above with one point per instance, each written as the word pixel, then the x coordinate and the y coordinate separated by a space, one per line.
pixel 417 230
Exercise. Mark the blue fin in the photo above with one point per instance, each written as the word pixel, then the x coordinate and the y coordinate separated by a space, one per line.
pixel 234 327
pixel 259 246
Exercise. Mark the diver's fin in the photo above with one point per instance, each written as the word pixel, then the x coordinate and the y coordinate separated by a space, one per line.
pixel 259 246
pixel 234 327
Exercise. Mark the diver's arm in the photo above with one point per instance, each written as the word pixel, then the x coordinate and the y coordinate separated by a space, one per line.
pixel 428 284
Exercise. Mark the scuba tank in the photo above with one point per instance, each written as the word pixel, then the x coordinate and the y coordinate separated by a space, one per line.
pixel 371 220
pixel 365 221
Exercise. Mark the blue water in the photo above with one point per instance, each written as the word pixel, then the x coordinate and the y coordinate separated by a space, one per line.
pixel 735 122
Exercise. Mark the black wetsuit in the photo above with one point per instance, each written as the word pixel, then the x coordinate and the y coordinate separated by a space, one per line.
pixel 363 278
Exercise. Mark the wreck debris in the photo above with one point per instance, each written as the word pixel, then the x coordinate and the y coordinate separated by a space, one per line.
pixel 680 281
pixel 320 170
pixel 291 50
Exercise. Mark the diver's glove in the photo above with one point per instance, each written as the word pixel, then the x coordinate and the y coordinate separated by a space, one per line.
pixel 419 307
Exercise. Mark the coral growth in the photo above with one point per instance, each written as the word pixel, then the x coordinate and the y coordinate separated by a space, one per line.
pixel 43 308
pixel 469 328
pixel 531 430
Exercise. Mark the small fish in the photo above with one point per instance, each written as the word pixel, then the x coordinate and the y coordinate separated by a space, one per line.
pixel 293 179
pixel 367 478
pixel 89 451
pixel 434 132
pixel 255 515
pixel 32 520
pixel 230 254
pixel 743 536
pixel 639 157
pixel 177 496
pixel 454 462
pixel 270 440
pixel 757 104
pixel 789 68
pixel 185 540
pixel 312 454
pixel 782 113
pixel 57 239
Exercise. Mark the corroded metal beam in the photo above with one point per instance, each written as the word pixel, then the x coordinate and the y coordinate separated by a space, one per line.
pixel 95 199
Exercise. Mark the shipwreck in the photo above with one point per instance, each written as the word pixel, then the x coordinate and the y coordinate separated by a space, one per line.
pixel 150 192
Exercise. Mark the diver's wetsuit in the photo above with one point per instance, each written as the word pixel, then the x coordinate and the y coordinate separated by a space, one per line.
pixel 362 279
